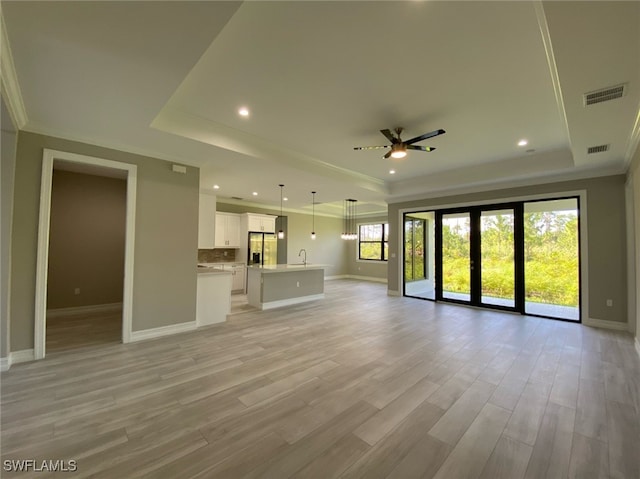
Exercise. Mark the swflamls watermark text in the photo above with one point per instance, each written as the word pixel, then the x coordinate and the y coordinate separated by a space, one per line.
pixel 46 465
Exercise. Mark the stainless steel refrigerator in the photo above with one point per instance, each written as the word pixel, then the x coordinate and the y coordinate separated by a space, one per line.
pixel 263 248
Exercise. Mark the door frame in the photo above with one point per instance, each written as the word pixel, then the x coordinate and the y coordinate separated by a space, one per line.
pixel 433 205
pixel 49 157
pixel 475 255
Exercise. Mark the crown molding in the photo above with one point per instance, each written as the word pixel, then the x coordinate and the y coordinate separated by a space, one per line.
pixel 9 80
pixel 634 142
pixel 553 67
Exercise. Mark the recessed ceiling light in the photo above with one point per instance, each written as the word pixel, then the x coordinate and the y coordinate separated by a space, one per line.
pixel 285 199
pixel 216 187
pixel 243 111
pixel 255 193
pixel 392 172
pixel 523 143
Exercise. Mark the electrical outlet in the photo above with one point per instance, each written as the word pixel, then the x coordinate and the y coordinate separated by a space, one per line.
pixel 610 302
pixel 297 284
pixel 76 291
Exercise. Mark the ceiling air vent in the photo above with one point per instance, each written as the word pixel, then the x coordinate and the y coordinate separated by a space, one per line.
pixel 236 198
pixel 604 94
pixel 597 149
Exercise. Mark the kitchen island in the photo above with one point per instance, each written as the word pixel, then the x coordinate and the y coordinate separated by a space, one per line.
pixel 284 284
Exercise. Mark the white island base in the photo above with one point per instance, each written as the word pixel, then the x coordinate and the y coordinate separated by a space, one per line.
pixel 281 285
pixel 214 296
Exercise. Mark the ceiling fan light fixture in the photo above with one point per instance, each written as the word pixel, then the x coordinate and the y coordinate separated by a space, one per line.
pixel 398 151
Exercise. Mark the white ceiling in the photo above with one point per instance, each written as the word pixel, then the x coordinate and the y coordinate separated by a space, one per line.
pixel 166 79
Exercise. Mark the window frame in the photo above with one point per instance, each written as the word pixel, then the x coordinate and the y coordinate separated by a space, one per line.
pixel 382 242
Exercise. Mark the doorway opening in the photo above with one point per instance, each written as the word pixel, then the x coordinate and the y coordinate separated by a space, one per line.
pixel 65 163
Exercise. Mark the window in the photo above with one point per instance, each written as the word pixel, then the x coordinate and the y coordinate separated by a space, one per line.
pixel 373 242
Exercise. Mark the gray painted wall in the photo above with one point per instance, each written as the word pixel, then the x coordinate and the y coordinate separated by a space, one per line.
pixel 372 269
pixel 86 240
pixel 327 248
pixel 7 170
pixel 164 284
pixel 606 236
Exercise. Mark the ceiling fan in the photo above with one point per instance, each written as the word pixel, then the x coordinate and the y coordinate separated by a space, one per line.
pixel 398 147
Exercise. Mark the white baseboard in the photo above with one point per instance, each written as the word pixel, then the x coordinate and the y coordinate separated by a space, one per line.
pixel 367 278
pixel 74 311
pixel 162 331
pixel 637 341
pixel 601 323
pixel 392 292
pixel 16 357
pixel 290 301
pixel 23 356
pixel 338 276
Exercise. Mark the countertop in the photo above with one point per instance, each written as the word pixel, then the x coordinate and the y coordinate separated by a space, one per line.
pixel 212 270
pixel 216 265
pixel 284 268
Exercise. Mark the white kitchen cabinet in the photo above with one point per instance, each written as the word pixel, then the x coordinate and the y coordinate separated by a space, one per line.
pixel 238 277
pixel 261 223
pixel 206 221
pixel 227 234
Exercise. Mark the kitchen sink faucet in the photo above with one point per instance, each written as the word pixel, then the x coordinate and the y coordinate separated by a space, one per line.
pixel 304 260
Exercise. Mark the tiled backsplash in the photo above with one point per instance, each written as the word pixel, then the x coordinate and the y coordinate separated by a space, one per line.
pixel 218 255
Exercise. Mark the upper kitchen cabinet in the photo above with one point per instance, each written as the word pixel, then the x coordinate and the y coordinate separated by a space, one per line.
pixel 261 223
pixel 227 230
pixel 206 221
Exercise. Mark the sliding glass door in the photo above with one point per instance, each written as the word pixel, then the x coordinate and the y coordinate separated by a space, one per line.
pixel 456 261
pixel 476 256
pixel 497 258
pixel 521 256
pixel 552 258
pixel 419 255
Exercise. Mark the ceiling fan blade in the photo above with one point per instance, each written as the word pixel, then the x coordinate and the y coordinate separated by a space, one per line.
pixel 420 148
pixel 424 137
pixel 389 136
pixel 370 147
pixel 387 155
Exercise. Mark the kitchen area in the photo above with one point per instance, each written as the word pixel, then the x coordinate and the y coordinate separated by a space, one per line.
pixel 242 265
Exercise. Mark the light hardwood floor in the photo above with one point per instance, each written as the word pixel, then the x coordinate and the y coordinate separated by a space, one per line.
pixel 357 385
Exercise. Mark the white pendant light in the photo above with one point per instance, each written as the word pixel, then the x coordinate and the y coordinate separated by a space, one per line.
pixel 313 215
pixel 349 220
pixel 281 231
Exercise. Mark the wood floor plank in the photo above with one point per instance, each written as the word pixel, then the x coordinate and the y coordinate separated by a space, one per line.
pixel 472 452
pixel 525 421
pixel 423 460
pixel 455 422
pixel 313 446
pixel 395 412
pixel 624 440
pixel 589 458
pixel 382 458
pixel 552 449
pixel 508 460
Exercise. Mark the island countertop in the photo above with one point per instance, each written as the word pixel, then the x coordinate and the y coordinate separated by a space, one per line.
pixel 283 268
